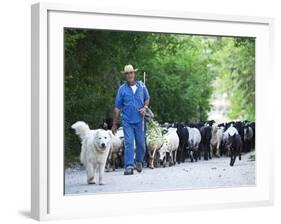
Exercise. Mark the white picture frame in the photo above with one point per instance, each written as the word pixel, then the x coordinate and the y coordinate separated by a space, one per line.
pixel 48 201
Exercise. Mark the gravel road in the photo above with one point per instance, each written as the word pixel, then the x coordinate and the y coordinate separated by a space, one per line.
pixel 213 173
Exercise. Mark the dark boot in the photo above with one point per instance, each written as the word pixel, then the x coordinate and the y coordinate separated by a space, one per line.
pixel 139 167
pixel 129 171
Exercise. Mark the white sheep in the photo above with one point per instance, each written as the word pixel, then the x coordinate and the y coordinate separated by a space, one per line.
pixel 154 141
pixel 116 148
pixel 170 145
pixel 217 135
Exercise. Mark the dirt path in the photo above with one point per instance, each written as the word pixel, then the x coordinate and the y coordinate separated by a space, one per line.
pixel 203 174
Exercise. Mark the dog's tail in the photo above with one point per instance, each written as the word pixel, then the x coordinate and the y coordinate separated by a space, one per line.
pixel 81 129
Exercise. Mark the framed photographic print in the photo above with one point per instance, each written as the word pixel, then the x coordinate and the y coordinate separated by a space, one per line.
pixel 146 107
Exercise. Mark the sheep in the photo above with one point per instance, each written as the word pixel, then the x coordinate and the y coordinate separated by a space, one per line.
pixel 169 147
pixel 234 144
pixel 229 132
pixel 183 135
pixel 154 141
pixel 206 135
pixel 215 143
pixel 248 136
pixel 193 143
pixel 116 149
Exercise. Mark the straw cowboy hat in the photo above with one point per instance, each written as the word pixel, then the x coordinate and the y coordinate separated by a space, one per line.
pixel 128 68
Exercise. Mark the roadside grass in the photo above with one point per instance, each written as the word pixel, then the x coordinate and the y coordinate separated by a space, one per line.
pixel 71 161
pixel 252 157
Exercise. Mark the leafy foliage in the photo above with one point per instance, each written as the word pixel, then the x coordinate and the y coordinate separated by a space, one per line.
pixel 154 131
pixel 234 62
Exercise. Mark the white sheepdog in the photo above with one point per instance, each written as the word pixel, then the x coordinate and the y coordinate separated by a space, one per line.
pixel 95 148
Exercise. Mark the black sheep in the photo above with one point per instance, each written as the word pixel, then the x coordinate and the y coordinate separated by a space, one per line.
pixel 248 138
pixel 234 144
pixel 253 126
pixel 206 135
pixel 211 122
pixel 239 125
pixel 183 144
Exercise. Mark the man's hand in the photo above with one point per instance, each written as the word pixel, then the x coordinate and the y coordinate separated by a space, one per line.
pixel 114 129
pixel 115 118
pixel 143 111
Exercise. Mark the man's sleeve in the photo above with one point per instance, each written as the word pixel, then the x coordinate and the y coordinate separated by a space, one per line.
pixel 119 99
pixel 146 94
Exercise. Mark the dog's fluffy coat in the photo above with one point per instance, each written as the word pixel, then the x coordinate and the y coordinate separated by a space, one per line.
pixel 94 151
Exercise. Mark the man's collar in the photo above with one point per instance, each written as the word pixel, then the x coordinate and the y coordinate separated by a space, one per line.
pixel 136 83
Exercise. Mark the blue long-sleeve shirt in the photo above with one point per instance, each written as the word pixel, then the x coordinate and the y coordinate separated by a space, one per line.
pixel 129 103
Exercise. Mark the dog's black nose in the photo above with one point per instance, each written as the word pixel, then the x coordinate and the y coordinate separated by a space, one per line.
pixel 102 145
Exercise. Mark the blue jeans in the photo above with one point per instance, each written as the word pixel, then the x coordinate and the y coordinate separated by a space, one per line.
pixel 133 132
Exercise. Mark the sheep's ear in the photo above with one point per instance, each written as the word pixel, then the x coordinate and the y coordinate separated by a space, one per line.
pixel 110 133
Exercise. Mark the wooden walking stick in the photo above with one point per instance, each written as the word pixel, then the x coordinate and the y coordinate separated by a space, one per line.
pixel 143 116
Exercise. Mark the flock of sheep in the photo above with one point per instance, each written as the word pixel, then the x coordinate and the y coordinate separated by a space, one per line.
pixel 169 144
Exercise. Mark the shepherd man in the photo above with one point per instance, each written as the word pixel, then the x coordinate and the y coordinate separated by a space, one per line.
pixel 132 100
